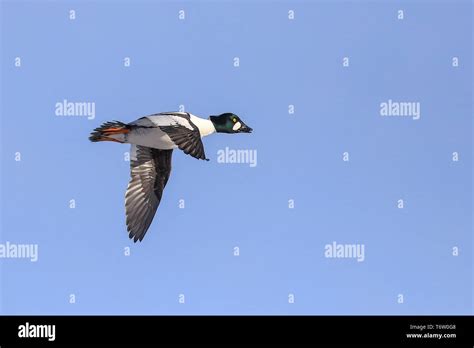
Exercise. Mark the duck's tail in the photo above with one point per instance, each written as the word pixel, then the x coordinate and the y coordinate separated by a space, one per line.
pixel 110 131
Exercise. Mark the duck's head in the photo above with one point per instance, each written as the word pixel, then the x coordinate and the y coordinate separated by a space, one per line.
pixel 229 123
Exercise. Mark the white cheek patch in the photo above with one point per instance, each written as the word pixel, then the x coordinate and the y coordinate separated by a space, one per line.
pixel 237 126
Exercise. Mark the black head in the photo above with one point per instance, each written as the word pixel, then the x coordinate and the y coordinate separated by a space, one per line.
pixel 229 123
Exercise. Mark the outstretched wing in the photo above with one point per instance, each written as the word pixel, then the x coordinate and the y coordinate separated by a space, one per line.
pixel 150 170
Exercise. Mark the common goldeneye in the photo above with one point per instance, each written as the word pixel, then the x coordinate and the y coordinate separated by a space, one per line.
pixel 153 139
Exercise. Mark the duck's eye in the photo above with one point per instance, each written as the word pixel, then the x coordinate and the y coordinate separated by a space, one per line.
pixel 234 119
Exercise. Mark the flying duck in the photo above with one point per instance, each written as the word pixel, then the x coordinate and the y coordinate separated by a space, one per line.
pixel 153 139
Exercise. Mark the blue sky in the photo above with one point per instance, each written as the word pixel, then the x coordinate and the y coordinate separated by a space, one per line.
pixel 283 62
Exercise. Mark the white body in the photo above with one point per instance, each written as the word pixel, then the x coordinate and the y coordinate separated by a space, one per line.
pixel 154 137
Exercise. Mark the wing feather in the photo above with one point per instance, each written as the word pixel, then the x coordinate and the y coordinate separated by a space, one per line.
pixel 150 170
pixel 189 141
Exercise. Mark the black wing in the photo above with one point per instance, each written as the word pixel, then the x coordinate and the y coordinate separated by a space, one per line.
pixel 150 171
pixel 188 140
